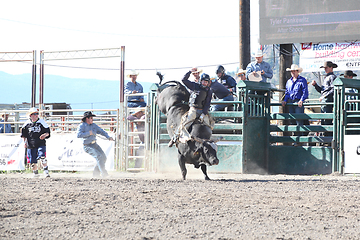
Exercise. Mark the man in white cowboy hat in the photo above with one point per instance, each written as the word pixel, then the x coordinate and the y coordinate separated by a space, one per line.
pixel 5 127
pixel 34 132
pixel 296 91
pixel 327 91
pixel 196 73
pixel 241 74
pixel 259 65
pixel 134 87
pixel 87 130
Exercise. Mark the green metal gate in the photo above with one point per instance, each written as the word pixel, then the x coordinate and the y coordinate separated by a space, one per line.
pixel 257 139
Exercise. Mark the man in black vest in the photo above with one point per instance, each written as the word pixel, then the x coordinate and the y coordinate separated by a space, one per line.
pixel 199 102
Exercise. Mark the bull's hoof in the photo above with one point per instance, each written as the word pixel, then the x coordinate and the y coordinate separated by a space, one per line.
pixel 207 178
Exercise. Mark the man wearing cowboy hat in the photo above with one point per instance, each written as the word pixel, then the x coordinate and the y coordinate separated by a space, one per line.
pixel 134 87
pixel 196 73
pixel 5 127
pixel 34 132
pixel 296 91
pixel 87 130
pixel 259 66
pixel 326 91
pixel 350 75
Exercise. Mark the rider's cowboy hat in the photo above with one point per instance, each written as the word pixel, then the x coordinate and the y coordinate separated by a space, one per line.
pixel 133 73
pixel 294 67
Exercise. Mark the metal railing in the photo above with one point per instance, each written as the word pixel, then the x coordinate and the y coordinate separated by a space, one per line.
pixel 107 119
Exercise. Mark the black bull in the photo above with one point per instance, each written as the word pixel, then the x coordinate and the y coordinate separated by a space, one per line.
pixel 201 151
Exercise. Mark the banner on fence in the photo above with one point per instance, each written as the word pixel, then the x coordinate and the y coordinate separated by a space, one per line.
pixel 12 152
pixel 345 55
pixel 64 151
pixel 352 153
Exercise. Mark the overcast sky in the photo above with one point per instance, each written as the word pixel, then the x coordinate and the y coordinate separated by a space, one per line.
pixel 157 34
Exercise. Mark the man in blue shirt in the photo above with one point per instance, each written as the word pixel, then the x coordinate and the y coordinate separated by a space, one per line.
pixel 87 130
pixel 259 66
pixel 134 87
pixel 5 128
pixel 296 91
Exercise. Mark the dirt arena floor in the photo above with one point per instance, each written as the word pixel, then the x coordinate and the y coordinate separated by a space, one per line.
pixel 162 206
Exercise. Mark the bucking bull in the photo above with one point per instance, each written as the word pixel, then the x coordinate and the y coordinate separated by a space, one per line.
pixel 173 100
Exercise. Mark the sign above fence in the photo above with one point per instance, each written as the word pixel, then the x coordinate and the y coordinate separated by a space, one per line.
pixel 345 55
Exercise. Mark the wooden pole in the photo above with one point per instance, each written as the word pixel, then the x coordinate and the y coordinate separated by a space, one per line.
pixel 244 33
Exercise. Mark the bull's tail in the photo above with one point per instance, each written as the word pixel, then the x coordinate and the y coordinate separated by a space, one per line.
pixel 161 77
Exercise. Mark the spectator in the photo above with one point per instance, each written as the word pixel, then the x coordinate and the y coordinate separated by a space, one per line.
pixel 222 94
pixel 226 80
pixel 259 66
pixel 241 74
pixel 5 127
pixel 326 91
pixel 87 130
pixel 134 87
pixel 350 75
pixel 296 92
pixel 196 73
pixel 34 132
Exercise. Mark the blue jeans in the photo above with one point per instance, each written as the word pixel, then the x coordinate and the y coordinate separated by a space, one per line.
pixel 297 109
pixel 221 107
pixel 136 104
pixel 96 151
pixel 35 153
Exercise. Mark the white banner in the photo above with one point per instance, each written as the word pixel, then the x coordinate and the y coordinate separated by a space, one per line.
pixel 64 151
pixel 352 153
pixel 345 55
pixel 12 152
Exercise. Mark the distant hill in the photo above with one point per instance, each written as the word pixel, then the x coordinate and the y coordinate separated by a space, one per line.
pixel 80 93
